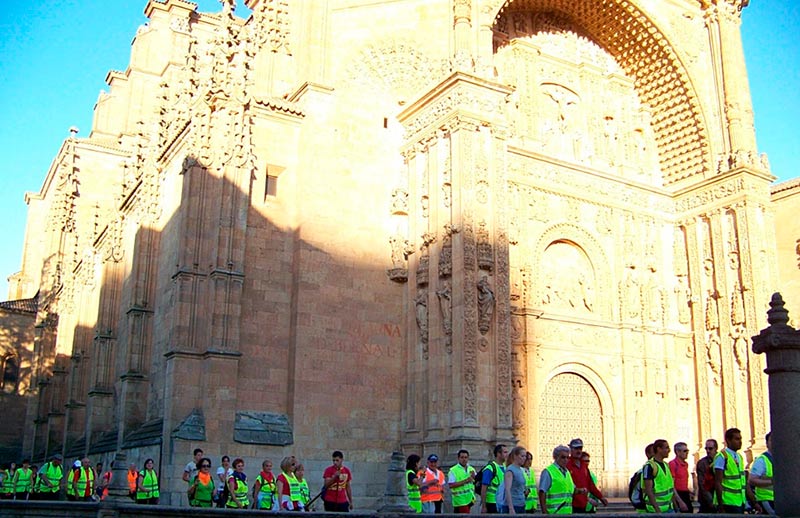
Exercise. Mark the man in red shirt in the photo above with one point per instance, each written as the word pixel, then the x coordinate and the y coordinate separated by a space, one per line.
pixel 680 474
pixel 337 496
pixel 583 480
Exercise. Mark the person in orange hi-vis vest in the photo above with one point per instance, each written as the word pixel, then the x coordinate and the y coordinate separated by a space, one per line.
pixel 432 489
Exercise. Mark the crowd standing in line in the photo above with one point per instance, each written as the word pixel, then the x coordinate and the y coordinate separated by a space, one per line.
pixel 84 482
pixel 507 484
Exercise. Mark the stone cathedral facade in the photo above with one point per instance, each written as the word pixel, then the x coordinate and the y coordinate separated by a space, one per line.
pixel 414 225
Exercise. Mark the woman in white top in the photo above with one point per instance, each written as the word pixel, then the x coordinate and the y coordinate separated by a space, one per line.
pixel 224 472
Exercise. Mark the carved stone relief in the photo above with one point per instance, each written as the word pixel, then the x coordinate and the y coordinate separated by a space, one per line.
pixel 486 303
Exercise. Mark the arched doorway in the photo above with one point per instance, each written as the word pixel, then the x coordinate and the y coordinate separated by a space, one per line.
pixel 570 408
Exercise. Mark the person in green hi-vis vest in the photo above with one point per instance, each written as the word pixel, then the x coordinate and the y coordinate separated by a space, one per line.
pixel 461 481
pixel 531 495
pixel 413 482
pixel 761 479
pixel 593 502
pixel 556 487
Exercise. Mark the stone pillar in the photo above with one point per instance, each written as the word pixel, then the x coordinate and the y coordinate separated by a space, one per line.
pixel 781 343
pixel 395 499
pixel 118 488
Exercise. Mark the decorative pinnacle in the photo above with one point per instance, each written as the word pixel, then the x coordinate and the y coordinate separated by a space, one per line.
pixel 777 315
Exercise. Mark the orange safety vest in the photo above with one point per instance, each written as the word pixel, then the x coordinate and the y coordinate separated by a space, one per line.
pixel 434 492
pixel 132 480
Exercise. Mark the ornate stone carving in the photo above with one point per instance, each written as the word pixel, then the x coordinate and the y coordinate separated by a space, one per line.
pixel 485 254
pixel 445 296
pixel 399 201
pixel 401 249
pixel 421 312
pixel 486 303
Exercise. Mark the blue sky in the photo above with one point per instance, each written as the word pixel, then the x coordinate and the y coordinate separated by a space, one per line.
pixel 54 56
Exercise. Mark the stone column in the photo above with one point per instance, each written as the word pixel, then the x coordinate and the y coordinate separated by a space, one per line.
pixel 395 499
pixel 781 343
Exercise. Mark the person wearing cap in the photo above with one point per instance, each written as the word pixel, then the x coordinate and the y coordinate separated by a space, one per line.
pixel 70 487
pixel 83 481
pixel 432 489
pixel 581 478
pixel 48 484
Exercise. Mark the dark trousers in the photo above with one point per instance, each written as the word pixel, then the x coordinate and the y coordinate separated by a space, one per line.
pixel 491 508
pixel 337 507
pixel 686 496
pixel 462 509
pixel 733 509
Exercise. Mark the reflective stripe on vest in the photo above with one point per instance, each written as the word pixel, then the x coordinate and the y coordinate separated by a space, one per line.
pixel 414 500
pixel 766 493
pixel 433 492
pixel 239 494
pixel 150 485
pixel 465 493
pixel 24 480
pixel 266 492
pixel 53 474
pixel 732 480
pixel 85 480
pixel 294 488
pixel 8 482
pixel 132 480
pixel 663 487
pixel 305 492
pixel 559 497
pixel 532 500
pixel 491 491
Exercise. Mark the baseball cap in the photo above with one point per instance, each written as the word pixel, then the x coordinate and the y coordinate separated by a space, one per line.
pixel 58 456
pixel 576 443
pixel 433 458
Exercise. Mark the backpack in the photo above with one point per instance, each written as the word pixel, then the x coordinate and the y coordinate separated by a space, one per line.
pixel 479 477
pixel 635 493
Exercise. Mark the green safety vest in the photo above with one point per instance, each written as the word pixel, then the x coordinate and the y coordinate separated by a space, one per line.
pixel 8 483
pixel 491 490
pixel 85 479
pixel 559 497
pixel 414 498
pixel 24 480
pixel 150 485
pixel 70 487
pixel 591 500
pixel 663 488
pixel 532 500
pixel 766 493
pixel 294 488
pixel 53 474
pixel 240 494
pixel 733 481
pixel 305 492
pixel 465 493
pixel 266 492
pixel 203 493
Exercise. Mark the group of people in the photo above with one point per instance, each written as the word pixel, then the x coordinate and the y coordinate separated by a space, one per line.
pixel 507 484
pixel 83 482
pixel 288 491
pixel 721 483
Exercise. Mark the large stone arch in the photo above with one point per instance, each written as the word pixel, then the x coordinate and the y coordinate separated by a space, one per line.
pixel 646 55
pixel 605 400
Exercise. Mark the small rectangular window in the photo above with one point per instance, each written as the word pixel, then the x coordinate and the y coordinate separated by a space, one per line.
pixel 271 190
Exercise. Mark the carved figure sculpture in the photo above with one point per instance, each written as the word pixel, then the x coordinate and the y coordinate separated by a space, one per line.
pixel 421 307
pixel 485 305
